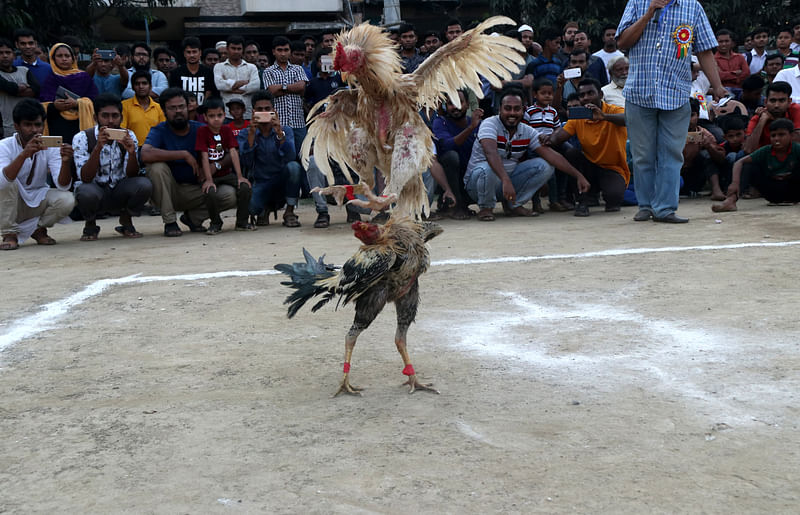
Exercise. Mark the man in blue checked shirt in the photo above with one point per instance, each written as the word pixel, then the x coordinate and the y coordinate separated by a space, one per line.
pixel 661 36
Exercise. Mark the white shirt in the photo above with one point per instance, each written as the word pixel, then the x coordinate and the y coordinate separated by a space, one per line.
pixel 47 160
pixel 612 94
pixel 226 74
pixel 792 76
pixel 757 61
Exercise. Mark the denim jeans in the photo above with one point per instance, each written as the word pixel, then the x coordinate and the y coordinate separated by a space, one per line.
pixel 286 186
pixel 657 138
pixel 485 187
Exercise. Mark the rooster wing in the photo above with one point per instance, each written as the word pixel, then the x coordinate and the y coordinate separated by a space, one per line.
pixel 360 273
pixel 459 63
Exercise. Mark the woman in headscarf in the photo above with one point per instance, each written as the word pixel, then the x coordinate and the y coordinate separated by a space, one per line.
pixel 67 116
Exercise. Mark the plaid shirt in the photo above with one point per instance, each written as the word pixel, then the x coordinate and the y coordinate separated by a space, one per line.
pixel 290 106
pixel 657 78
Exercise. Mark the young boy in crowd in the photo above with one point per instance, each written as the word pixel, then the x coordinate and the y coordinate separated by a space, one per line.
pixel 219 158
pixel 237 108
pixel 697 154
pixel 775 172
pixel 732 146
pixel 543 117
pixel 194 113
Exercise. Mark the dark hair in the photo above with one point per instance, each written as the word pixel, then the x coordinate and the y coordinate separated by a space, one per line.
pixel 210 51
pixel 168 94
pixel 160 50
pixel 776 55
pixel 512 89
pixel 211 103
pixel 571 97
pixel 780 123
pixel 753 82
pixel 725 32
pixel 304 37
pixel 451 22
pixel 431 33
pixel 191 42
pixel 236 40
pixel 549 34
pixel 28 110
pixel 591 81
pixel 760 30
pixel 608 27
pixel 5 42
pixel 731 122
pixel 24 32
pixel 280 41
pixel 570 24
pixel 122 49
pixel 322 51
pixel 780 87
pixel 540 83
pixel 297 46
pixel 578 52
pixel 250 42
pixel 141 44
pixel 72 41
pixel 106 99
pixel 261 94
pixel 785 28
pixel 406 27
pixel 141 74
pixel 694 104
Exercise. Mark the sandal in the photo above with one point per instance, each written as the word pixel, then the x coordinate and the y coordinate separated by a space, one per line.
pixel 290 220
pixel 323 221
pixel 90 233
pixel 486 215
pixel 459 214
pixel 41 237
pixel 172 230
pixel 128 231
pixel 10 242
pixel 185 220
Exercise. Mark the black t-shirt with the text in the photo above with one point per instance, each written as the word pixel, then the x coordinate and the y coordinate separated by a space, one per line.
pixel 197 83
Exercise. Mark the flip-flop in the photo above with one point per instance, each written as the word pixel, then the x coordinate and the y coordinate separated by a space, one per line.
pixel 128 231
pixel 90 234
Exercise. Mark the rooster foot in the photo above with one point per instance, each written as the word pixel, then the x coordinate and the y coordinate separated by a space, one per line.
pixel 414 385
pixel 346 387
pixel 375 203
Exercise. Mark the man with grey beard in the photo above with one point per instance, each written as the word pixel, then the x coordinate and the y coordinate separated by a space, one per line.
pixel 618 71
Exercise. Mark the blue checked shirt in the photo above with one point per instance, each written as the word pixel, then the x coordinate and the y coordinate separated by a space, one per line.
pixel 657 79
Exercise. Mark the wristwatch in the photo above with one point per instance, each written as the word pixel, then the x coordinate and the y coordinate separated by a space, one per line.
pixel 217 165
pixel 285 87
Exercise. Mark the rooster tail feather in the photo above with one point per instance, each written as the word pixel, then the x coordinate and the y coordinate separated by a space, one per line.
pixel 303 278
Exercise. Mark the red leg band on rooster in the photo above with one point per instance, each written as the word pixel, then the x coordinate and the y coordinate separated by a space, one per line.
pixel 346 368
pixel 409 370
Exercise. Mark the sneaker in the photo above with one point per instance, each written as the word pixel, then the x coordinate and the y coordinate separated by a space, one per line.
pixel 581 210
pixel 214 229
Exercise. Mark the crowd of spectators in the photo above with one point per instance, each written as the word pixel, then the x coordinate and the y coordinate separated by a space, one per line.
pixel 139 130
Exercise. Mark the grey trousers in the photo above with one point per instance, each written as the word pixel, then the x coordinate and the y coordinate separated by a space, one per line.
pixel 13 210
pixel 170 196
pixel 128 195
pixel 317 179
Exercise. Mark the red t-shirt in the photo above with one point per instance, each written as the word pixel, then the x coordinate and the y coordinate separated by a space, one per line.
pixel 793 114
pixel 237 131
pixel 217 146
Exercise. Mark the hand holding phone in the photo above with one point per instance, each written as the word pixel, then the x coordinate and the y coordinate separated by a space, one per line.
pixel 51 141
pixel 580 113
pixel 572 73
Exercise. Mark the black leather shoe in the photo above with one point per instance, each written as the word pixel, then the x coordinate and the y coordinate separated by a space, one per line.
pixel 642 215
pixel 581 210
pixel 672 218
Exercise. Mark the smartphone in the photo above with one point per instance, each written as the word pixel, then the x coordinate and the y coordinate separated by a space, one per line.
pixel 572 73
pixel 262 117
pixel 579 113
pixel 694 137
pixel 326 64
pixel 107 55
pixel 116 134
pixel 51 141
pixel 64 93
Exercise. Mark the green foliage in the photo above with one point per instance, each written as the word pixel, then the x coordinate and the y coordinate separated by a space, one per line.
pixel 51 19
pixel 740 16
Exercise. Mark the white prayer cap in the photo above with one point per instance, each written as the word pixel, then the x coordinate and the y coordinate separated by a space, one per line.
pixel 523 28
pixel 221 44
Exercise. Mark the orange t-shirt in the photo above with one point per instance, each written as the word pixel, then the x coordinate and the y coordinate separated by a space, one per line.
pixel 603 143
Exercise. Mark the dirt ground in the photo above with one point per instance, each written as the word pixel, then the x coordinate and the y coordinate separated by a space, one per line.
pixel 647 382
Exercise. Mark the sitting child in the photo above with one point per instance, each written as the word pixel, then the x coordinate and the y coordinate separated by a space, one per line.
pixel 776 170
pixel 700 146
pixel 732 147
pixel 219 158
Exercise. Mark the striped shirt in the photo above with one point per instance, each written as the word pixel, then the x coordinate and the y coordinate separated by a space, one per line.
pixel 657 78
pixel 543 119
pixel 510 148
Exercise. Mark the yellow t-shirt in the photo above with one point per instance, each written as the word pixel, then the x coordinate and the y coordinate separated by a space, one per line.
pixel 603 143
pixel 140 121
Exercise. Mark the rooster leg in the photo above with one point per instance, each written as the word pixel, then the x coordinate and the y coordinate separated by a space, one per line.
pixel 367 308
pixel 406 312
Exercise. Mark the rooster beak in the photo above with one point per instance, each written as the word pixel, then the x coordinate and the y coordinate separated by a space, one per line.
pixel 344 75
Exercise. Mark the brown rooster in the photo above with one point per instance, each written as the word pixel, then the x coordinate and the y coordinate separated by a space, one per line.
pixel 386 268
pixel 376 122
